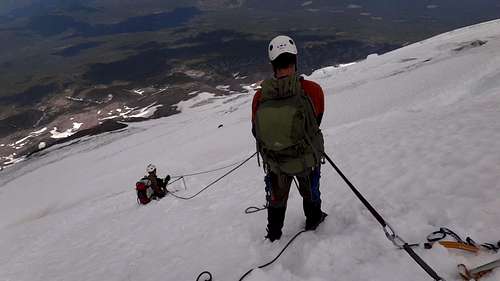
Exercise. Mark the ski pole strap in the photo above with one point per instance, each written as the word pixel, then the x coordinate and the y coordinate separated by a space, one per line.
pixel 422 263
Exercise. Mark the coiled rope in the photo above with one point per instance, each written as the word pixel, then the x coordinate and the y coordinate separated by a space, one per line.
pixel 253 209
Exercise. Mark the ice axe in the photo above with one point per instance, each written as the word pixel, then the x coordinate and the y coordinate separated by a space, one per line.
pixel 477 272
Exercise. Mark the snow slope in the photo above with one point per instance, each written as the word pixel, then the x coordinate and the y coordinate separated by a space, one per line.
pixel 416 130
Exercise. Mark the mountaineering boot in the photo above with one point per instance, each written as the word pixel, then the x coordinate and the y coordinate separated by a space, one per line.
pixel 273 236
pixel 312 225
pixel 314 215
pixel 275 219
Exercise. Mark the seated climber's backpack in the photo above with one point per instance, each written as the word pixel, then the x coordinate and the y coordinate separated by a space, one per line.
pixel 287 132
pixel 144 191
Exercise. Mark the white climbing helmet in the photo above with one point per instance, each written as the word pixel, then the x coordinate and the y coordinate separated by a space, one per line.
pixel 150 168
pixel 281 44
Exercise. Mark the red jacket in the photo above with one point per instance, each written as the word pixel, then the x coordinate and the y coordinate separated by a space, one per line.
pixel 311 89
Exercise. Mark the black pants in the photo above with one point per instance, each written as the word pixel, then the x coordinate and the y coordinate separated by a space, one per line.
pixel 278 188
pixel 160 193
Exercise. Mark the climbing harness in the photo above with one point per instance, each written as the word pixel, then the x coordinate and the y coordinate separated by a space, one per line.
pixel 390 233
pixel 253 209
pixel 215 181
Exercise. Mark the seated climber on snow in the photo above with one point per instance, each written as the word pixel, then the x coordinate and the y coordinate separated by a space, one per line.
pixel 150 187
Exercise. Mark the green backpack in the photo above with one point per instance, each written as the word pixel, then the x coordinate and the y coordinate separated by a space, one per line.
pixel 287 132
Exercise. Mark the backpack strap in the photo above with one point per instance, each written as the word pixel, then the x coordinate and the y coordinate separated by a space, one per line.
pixel 312 125
pixel 281 88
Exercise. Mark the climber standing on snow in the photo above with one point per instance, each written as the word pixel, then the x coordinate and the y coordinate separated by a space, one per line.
pixel 286 114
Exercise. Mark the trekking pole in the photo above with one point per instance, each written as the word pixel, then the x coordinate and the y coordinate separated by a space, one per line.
pixel 388 230
pixel 184 183
pixel 178 179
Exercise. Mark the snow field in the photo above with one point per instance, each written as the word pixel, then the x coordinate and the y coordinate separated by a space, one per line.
pixel 416 130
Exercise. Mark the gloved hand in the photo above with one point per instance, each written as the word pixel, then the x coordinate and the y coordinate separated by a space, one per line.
pixel 167 178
